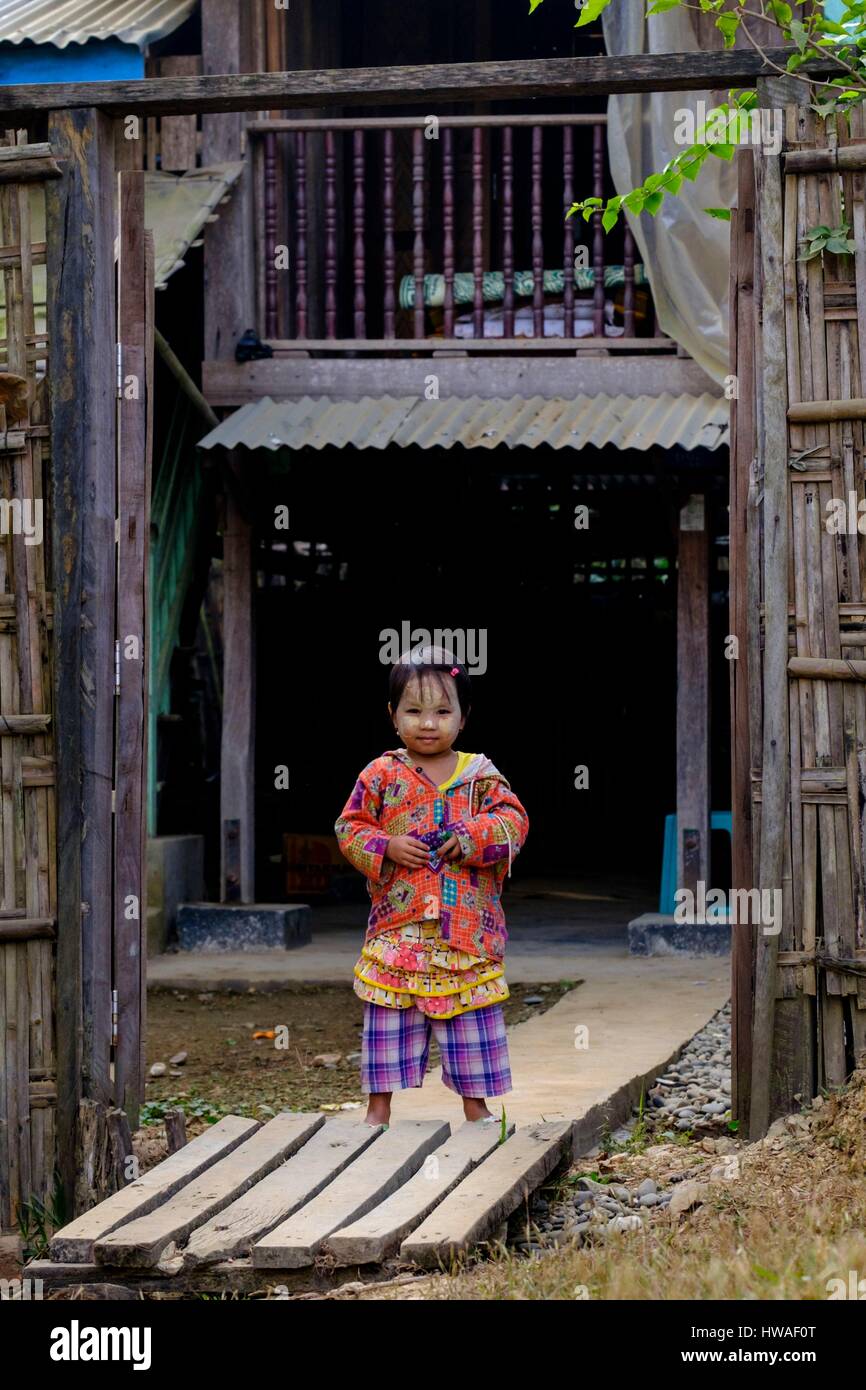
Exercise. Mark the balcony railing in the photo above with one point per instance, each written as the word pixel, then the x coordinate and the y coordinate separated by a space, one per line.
pixel 390 234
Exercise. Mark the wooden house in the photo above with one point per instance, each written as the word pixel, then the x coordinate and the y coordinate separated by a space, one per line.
pixel 383 392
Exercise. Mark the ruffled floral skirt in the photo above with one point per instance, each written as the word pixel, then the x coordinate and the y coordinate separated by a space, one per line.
pixel 412 966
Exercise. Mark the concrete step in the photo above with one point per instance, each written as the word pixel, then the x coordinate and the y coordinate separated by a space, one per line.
pixel 243 926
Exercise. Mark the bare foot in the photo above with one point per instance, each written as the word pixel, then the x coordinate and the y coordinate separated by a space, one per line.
pixel 476 1109
pixel 378 1111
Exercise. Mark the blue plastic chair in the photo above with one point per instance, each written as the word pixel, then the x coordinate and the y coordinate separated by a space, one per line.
pixel 719 820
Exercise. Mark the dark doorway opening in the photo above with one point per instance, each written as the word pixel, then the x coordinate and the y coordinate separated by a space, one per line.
pixel 578 624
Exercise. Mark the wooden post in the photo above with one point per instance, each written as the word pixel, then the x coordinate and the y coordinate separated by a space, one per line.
pixel 80 277
pixel 237 761
pixel 230 301
pixel 693 697
pixel 773 457
pixel 742 335
pixel 133 509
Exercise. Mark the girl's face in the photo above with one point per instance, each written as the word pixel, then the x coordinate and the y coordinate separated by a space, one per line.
pixel 428 717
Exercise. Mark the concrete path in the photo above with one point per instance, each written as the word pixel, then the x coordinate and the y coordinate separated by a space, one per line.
pixel 638 1013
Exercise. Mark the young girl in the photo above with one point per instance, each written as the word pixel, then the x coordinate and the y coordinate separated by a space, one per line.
pixel 434 831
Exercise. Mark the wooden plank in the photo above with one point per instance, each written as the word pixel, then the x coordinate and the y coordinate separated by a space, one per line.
pixel 80 219
pixel 235 1230
pixel 133 510
pixel 403 86
pixel 287 347
pixel 75 1241
pixel 234 384
pixel 773 453
pixel 478 1205
pixel 397 1154
pixel 142 1242
pixel 378 1233
pixel 826 668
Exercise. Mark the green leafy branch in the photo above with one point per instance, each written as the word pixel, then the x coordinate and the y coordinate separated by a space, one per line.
pixel 813 36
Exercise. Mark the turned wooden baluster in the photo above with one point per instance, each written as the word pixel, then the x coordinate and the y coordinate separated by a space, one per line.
pixel 390 255
pixel 448 226
pixel 300 234
pixel 358 259
pixel 568 232
pixel 418 225
pixel 271 297
pixel 628 298
pixel 508 231
pixel 478 231
pixel 537 233
pixel 598 231
pixel 330 235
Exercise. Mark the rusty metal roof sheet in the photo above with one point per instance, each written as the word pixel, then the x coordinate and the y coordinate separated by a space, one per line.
pixel 61 22
pixel 639 422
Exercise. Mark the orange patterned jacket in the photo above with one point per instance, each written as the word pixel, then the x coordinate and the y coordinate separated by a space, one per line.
pixel 393 796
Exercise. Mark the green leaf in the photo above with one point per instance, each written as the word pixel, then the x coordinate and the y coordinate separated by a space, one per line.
pixel 661 5
pixel 799 35
pixel 654 202
pixel 782 13
pixel 635 200
pixel 723 214
pixel 692 162
pixel 533 5
pixel 591 11
pixel 728 23
pixel 610 218
pixel 722 151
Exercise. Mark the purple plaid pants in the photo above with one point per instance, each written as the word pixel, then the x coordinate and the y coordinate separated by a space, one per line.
pixel 396 1045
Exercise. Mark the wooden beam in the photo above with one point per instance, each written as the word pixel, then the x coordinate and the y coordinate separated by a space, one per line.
pixel 693 696
pixel 80 277
pixel 234 383
pixel 773 455
pixel 133 510
pixel 403 86
pixel 742 309
pixel 530 346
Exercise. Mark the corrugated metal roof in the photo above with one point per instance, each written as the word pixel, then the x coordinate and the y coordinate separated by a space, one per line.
pixel 177 206
pixel 626 422
pixel 61 22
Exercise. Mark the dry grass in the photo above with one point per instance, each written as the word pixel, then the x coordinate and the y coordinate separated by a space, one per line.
pixel 791 1218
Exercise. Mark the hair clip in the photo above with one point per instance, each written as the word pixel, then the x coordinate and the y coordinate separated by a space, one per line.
pixel 454 671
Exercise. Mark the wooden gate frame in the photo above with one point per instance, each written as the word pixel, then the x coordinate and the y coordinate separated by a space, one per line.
pixel 101 411
pixel 798 345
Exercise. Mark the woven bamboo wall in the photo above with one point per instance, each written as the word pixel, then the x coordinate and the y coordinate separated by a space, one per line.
pixel 27 826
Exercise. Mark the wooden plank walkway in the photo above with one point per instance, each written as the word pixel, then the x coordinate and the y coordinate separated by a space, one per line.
pixel 75 1242
pixel 377 1234
pixel 306 1196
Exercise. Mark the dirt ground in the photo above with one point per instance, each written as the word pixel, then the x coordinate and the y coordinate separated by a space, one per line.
pixel 228 1069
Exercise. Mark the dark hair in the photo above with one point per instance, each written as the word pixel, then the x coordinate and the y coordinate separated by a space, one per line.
pixel 423 663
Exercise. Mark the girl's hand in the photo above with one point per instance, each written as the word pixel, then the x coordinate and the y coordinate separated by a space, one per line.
pixel 451 849
pixel 406 850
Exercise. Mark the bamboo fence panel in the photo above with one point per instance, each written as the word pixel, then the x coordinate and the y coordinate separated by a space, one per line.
pixel 27 823
pixel 810 999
